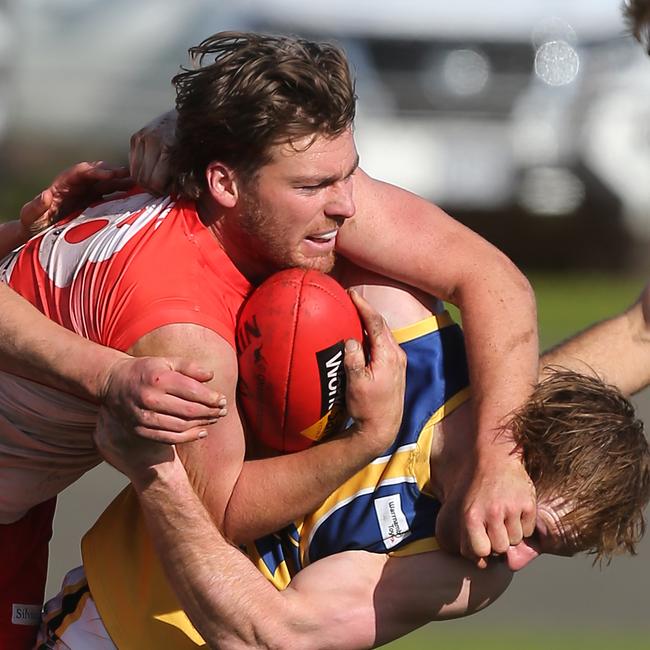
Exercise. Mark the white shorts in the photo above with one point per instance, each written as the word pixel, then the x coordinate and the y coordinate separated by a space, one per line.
pixel 71 620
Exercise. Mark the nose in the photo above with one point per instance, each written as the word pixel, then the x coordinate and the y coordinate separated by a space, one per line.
pixel 522 554
pixel 340 202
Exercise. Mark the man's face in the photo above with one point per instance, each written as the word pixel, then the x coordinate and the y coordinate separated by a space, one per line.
pixel 550 537
pixel 291 212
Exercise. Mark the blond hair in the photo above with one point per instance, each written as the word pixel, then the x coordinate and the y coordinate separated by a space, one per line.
pixel 582 443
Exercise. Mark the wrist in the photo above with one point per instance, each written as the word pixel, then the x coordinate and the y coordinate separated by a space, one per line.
pixel 368 442
pixel 502 455
pixel 164 476
pixel 14 234
pixel 98 381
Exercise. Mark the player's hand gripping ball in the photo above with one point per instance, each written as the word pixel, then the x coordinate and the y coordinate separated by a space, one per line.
pixel 290 339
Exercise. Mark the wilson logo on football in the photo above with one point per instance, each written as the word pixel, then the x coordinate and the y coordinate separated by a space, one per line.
pixel 332 376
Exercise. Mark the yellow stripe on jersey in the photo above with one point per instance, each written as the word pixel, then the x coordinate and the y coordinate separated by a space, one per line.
pixel 431 324
pixel 415 548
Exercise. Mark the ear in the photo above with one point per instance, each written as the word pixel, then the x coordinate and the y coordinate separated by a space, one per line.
pixel 222 184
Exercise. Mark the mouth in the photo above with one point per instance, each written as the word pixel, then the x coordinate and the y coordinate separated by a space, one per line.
pixel 323 238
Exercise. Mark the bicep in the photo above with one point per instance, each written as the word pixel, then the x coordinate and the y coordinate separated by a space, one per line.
pixel 367 599
pixel 213 463
pixel 415 241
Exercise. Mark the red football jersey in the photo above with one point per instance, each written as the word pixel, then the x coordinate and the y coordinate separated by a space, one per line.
pixel 127 266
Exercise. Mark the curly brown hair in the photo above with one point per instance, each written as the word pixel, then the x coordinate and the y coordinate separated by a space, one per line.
pixel 637 16
pixel 581 442
pixel 258 91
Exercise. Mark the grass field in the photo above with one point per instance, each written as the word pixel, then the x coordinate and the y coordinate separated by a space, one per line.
pixel 435 636
pixel 568 303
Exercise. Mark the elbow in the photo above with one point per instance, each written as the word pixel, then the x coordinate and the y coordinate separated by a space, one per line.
pixel 519 283
pixel 236 527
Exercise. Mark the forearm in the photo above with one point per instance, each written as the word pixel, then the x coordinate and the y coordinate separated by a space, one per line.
pixel 34 347
pixel 12 235
pixel 273 492
pixel 617 349
pixel 500 324
pixel 225 597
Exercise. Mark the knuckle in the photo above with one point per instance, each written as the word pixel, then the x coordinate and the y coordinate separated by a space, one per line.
pixel 146 397
pixel 145 417
pixel 494 512
pixel 473 518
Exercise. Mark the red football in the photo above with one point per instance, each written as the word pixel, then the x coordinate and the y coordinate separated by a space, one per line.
pixel 290 340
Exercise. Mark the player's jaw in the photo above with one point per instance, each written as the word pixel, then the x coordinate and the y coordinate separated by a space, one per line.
pixel 275 242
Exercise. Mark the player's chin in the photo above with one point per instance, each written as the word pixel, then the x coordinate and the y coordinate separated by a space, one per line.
pixel 322 263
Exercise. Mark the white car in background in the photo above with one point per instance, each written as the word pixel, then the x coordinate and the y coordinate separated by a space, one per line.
pixel 536 109
pixel 527 119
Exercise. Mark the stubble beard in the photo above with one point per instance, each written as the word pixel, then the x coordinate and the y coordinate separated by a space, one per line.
pixel 269 246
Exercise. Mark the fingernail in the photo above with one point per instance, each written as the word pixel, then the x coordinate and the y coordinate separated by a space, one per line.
pixel 351 345
pixel 222 402
pixel 203 433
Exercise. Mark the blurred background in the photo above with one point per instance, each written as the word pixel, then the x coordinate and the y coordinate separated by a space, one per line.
pixel 528 120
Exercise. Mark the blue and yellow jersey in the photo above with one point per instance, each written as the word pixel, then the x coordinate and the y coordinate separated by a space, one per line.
pixel 385 508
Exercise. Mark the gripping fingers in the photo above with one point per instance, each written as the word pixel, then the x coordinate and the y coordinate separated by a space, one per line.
pixel 499 536
pixel 172 437
pixel 529 520
pixel 515 529
pixel 383 347
pixel 354 360
pixel 372 320
pixel 181 410
pixel 189 389
pixel 475 544
pixel 182 378
pixel 37 207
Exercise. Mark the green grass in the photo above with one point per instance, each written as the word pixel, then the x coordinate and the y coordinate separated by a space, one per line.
pixel 436 637
pixel 569 302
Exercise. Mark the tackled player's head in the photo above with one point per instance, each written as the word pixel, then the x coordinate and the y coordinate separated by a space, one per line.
pixel 637 16
pixel 258 91
pixel 587 454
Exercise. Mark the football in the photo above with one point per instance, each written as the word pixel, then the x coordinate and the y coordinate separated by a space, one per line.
pixel 290 340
